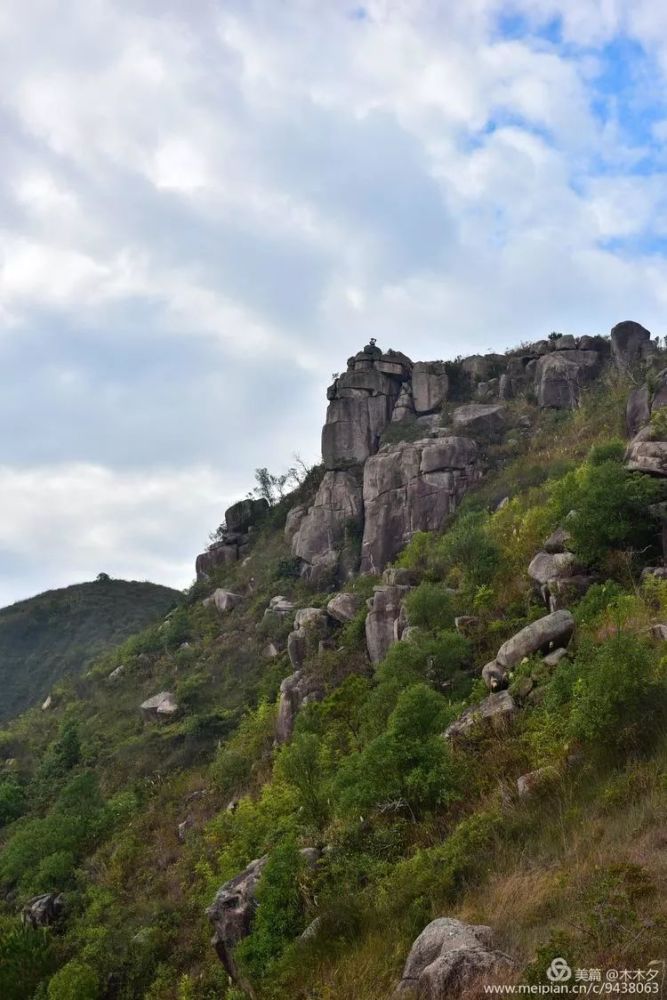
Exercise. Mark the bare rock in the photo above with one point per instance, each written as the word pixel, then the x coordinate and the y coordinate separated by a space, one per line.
pixel 558 541
pixel 449 958
pixel 546 566
pixel 559 377
pixel 344 607
pixel 647 456
pixel 117 673
pixel 323 532
pixel 545 634
pixel 637 410
pixel 494 676
pixel 466 624
pixel 413 486
pixel 182 829
pixel 629 343
pixel 295 691
pixel 161 706
pixel 217 555
pixel 429 386
pixel 293 521
pixel 553 659
pixel 223 600
pixel 480 418
pixel 245 514
pixel 382 629
pixel 47 703
pixel 497 712
pixel 535 781
pixel 43 910
pixel 232 913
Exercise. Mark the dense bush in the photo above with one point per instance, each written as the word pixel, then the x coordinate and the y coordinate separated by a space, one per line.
pixel 431 607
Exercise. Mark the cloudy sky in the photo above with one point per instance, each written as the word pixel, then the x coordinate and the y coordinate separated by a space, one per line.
pixel 205 207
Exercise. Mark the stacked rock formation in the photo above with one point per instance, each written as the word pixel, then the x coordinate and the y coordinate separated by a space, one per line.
pixel 240 519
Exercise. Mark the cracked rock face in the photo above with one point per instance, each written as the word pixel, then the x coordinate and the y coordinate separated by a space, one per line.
pixel 450 957
pixel 413 486
pixel 546 633
pixel 384 625
pixel 337 511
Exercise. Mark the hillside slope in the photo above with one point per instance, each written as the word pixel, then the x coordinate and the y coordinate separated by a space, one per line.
pixel 316 764
pixel 60 632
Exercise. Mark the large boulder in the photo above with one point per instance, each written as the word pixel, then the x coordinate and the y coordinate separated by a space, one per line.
pixel 450 958
pixel 629 343
pixel 546 566
pixel 382 621
pixel 309 625
pixel 637 410
pixel 218 555
pixel 482 367
pixel 245 514
pixel 222 600
pixel 232 913
pixel 429 386
pixel 479 418
pixel 293 521
pixel 43 910
pixel 296 690
pixel 647 456
pixel 544 634
pixel 335 516
pixel 344 607
pixel 495 712
pixel 161 706
pixel 560 376
pixel 409 487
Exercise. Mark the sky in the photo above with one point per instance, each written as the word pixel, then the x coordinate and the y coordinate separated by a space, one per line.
pixel 206 207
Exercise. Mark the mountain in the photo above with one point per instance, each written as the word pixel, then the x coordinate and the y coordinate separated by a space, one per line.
pixel 404 737
pixel 60 632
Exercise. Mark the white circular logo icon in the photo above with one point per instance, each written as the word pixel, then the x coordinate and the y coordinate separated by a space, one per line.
pixel 559 971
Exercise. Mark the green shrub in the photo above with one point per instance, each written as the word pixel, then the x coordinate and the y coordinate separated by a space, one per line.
pixel 27 956
pixel 75 981
pixel 430 606
pixel 610 509
pixel 280 911
pixel 408 765
pixel 609 451
pixel 439 659
pixel 619 696
pixel 12 800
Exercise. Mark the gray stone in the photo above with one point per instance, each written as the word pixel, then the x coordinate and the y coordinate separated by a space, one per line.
pixel 494 676
pixel 222 600
pixel 637 410
pixel 429 386
pixel 559 377
pixel 496 712
pixel 240 516
pixel 565 343
pixel 449 958
pixel 182 828
pixel 403 408
pixel 558 541
pixel 43 910
pixel 47 703
pixel 116 674
pixel 647 456
pixel 336 512
pixel 466 624
pixel 413 486
pixel 382 629
pixel 659 632
pixel 544 634
pixel 218 555
pixel 295 690
pixel 293 521
pixel 659 572
pixel 535 781
pixel 546 566
pixel 232 913
pixel 344 607
pixel 566 589
pixel 480 418
pixel 482 367
pixel 553 659
pixel 161 706
pixel 629 342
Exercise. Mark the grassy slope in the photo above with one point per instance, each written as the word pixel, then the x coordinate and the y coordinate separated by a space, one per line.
pixel 62 631
pixel 582 868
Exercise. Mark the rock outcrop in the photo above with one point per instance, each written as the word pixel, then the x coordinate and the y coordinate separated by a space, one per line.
pixel 295 691
pixel 629 343
pixel 409 487
pixel 240 519
pixel 43 910
pixel 546 633
pixel 495 712
pixel 384 625
pixel 222 600
pixel 160 707
pixel 429 386
pixel 344 607
pixel 449 958
pixel 335 518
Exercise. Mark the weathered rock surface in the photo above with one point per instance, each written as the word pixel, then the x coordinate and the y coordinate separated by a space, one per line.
pixel 647 456
pixel 629 343
pixel 335 516
pixel 535 781
pixel 450 957
pixel 161 706
pixel 293 521
pixel 546 566
pixel 494 676
pixel 218 555
pixel 546 633
pixel 232 913
pixel 559 377
pixel 280 607
pixel 429 386
pixel 382 622
pixel 245 514
pixel 413 486
pixel 558 541
pixel 344 607
pixel 295 691
pixel 43 910
pixel 497 711
pixel 222 600
pixel 479 418
pixel 637 410
pixel 309 626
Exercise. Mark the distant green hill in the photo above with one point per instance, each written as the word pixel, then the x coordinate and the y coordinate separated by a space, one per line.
pixel 60 632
